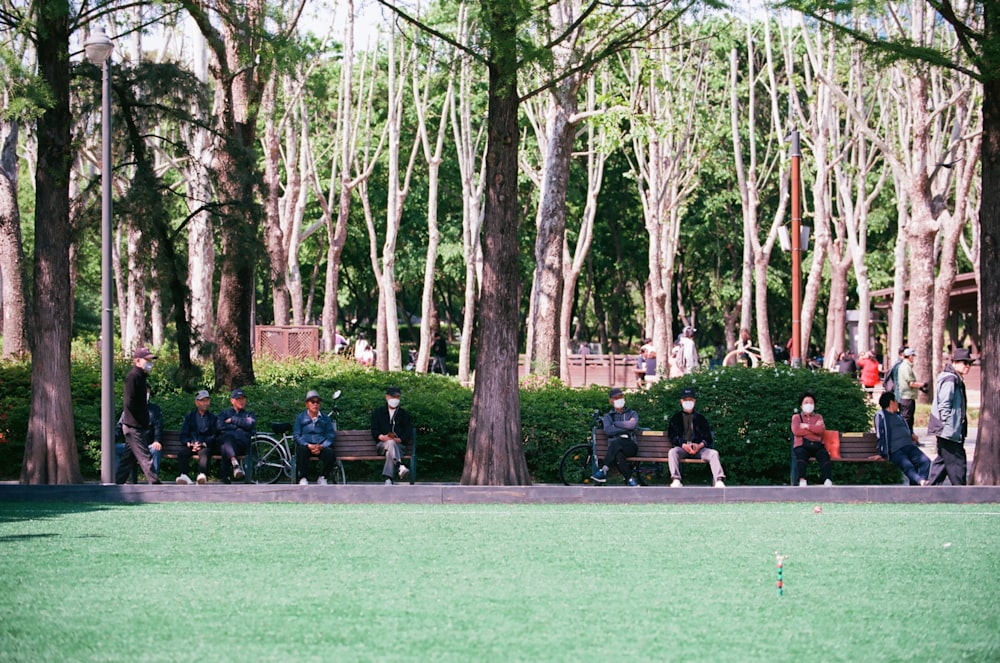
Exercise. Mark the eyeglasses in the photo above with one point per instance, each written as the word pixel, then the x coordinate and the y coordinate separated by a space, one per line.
pixel 313 400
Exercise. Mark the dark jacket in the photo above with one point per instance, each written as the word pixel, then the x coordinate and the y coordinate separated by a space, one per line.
pixel 885 423
pixel 154 432
pixel 401 424
pixel 307 431
pixel 135 412
pixel 620 423
pixel 199 428
pixel 702 429
pixel 242 425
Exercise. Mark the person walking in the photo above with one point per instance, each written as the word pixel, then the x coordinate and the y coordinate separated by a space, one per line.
pixel 619 424
pixel 948 421
pixel 135 419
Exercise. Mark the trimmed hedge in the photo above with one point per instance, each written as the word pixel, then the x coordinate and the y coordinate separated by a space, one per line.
pixel 750 411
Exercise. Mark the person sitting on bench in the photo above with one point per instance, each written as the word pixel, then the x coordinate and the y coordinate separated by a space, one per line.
pixel 619 423
pixel 808 429
pixel 896 441
pixel 313 439
pixel 392 431
pixel 691 435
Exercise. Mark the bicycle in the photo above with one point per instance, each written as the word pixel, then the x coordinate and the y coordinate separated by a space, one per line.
pixel 273 457
pixel 579 462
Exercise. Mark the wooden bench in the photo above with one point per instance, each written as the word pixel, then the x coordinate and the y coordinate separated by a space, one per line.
pixel 172 446
pixel 856 448
pixel 354 445
pixel 654 447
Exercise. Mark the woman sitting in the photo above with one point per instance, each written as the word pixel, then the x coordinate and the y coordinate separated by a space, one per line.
pixel 808 429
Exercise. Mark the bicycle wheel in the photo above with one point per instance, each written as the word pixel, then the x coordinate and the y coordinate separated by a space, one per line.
pixel 269 461
pixel 337 475
pixel 577 465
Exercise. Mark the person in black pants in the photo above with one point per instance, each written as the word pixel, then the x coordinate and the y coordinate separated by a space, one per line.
pixel 439 353
pixel 198 436
pixel 314 435
pixel 236 427
pixel 619 423
pixel 135 419
pixel 154 437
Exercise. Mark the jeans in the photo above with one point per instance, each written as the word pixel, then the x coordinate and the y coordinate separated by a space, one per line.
pixel 913 462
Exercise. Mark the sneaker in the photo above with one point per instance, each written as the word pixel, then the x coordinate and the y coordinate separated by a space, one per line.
pixel 923 482
pixel 719 483
pixel 238 473
pixel 403 471
pixel 388 482
pixel 632 481
pixel 303 481
pixel 827 483
pixel 676 483
pixel 802 483
pixel 321 481
pixel 600 476
pixel 202 479
pixel 184 480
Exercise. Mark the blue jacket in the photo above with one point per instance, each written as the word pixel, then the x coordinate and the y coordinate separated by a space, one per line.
pixel 948 409
pixel 307 431
pixel 884 431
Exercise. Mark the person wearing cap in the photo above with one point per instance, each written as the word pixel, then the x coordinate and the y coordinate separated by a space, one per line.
pixel 314 434
pixel 236 427
pixel 154 437
pixel 687 359
pixel 135 419
pixel 619 424
pixel 896 441
pixel 907 387
pixel 392 430
pixel 807 439
pixel 948 421
pixel 199 435
pixel 691 437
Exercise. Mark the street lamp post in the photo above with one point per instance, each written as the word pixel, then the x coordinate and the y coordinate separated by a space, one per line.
pixel 795 356
pixel 98 49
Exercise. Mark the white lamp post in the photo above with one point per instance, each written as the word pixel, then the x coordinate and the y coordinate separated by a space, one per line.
pixel 98 49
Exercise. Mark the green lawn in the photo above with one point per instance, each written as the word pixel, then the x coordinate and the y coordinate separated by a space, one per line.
pixel 226 582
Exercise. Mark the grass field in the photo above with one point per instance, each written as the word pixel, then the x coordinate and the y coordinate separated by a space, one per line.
pixel 227 582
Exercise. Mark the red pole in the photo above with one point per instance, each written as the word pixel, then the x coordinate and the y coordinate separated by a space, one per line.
pixel 796 154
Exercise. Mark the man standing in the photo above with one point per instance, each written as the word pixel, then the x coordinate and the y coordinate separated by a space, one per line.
pixel 313 439
pixel 907 387
pixel 198 436
pixel 439 353
pixel 688 359
pixel 154 436
pixel 896 441
pixel 236 427
pixel 691 435
pixel 619 424
pixel 948 422
pixel 135 419
pixel 392 430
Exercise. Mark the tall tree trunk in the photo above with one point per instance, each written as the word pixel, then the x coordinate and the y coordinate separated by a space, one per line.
pixel 274 236
pixel 50 454
pixel 495 455
pixel 13 274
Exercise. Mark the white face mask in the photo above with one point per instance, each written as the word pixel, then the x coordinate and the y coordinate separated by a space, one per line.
pixel 807 408
pixel 619 403
pixel 147 366
pixel 688 406
pixel 393 402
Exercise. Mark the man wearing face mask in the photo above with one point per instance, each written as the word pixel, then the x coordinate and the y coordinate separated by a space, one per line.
pixel 619 424
pixel 392 431
pixel 135 419
pixel 691 435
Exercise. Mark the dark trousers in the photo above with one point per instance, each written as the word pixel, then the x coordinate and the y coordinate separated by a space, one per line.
pixel 184 459
pixel 804 452
pixel 230 448
pixel 950 462
pixel 907 407
pixel 302 456
pixel 913 462
pixel 136 451
pixel 619 448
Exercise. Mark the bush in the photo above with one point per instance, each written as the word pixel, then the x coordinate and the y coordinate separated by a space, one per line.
pixel 750 411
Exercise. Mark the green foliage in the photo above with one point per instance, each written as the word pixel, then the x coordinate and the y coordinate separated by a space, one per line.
pixel 750 411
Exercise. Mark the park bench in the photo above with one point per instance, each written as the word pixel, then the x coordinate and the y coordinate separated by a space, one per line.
pixel 654 448
pixel 857 448
pixel 358 445
pixel 172 447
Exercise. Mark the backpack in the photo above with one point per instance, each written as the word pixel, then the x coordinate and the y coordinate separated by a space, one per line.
pixel 889 383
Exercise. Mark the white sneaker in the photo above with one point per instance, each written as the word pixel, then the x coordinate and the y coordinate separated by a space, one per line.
pixel 184 480
pixel 828 483
pixel 303 481
pixel 923 482
pixel 676 483
pixel 238 473
pixel 802 483
pixel 321 481
pixel 403 471
pixel 202 479
pixel 719 483
pixel 388 482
